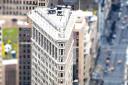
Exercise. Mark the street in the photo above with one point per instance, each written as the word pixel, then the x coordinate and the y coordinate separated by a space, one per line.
pixel 112 55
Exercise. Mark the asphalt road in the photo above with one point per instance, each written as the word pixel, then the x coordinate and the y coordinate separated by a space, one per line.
pixel 111 59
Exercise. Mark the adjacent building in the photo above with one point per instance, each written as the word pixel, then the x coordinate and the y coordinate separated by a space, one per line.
pixel 24 59
pixel 9 72
pixel 52 46
pixel 21 7
pixel 85 44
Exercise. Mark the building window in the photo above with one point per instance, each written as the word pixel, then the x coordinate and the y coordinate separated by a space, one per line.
pixel 77 42
pixel 24 56
pixel 34 3
pixel 29 8
pixel 55 53
pixel 62 45
pixel 85 56
pixel 42 40
pixel 20 8
pixel 26 2
pixel 61 51
pixel 30 2
pixel 62 68
pixel 77 52
pixel 50 48
pixel 26 8
pixel 28 78
pixel 53 50
pixel 24 46
pixel 44 43
pixel 77 33
pixel 36 35
pixel 61 59
pixel 28 56
pixel 24 67
pixel 41 4
pixel 47 43
pixel 28 46
pixel 19 2
pixel 23 2
pixel 61 74
pixel 28 50
pixel 24 73
pixel 85 44
pixel 61 81
pixel 33 7
pixel 28 67
pixel 24 51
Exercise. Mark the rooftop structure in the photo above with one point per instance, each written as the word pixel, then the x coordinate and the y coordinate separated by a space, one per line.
pixel 59 18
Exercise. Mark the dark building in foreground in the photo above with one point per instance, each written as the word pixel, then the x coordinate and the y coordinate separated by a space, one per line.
pixel 24 56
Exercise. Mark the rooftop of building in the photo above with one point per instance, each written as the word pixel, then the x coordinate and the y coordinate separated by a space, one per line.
pixel 84 18
pixel 59 21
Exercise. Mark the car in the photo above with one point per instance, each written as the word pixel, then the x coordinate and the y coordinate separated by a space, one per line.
pixel 107 61
pixel 111 68
pixel 122 4
pixel 119 61
pixel 107 58
pixel 122 27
